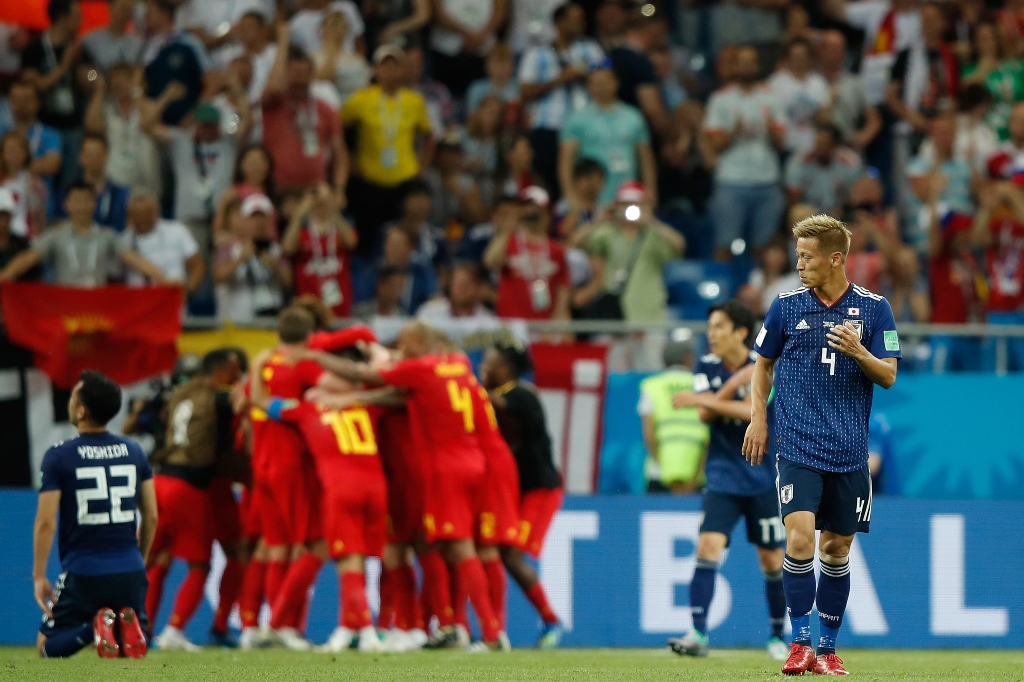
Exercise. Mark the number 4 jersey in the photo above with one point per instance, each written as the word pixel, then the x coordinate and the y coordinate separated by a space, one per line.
pixel 99 476
pixel 822 397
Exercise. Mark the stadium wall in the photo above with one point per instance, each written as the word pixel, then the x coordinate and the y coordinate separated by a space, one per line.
pixel 617 569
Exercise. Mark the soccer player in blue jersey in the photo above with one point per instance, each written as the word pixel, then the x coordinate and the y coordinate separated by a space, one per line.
pixel 824 347
pixel 94 484
pixel 734 489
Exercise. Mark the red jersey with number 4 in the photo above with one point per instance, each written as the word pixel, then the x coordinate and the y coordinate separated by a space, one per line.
pixel 343 442
pixel 441 410
pixel 276 446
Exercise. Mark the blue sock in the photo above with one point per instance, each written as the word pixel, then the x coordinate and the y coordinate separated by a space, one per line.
pixel 798 583
pixel 833 593
pixel 702 589
pixel 67 642
pixel 776 602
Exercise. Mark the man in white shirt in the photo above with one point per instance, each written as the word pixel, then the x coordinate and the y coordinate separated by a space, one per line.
pixel 463 304
pixel 212 20
pixel 167 243
pixel 115 43
pixel 802 93
pixel 305 27
pixel 254 44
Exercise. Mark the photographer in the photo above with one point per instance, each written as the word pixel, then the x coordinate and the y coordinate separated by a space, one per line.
pixel 147 415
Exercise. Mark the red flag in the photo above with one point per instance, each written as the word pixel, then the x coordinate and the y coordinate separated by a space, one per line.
pixel 129 334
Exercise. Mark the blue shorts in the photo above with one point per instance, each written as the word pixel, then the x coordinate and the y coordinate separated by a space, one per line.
pixel 761 512
pixel 841 503
pixel 77 598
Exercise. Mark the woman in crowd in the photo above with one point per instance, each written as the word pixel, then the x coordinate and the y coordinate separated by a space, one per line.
pixel 28 189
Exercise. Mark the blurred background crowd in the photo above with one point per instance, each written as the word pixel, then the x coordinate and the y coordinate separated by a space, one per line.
pixel 534 159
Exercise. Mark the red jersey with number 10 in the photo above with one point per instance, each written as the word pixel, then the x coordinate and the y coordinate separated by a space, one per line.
pixel 343 442
pixel 441 409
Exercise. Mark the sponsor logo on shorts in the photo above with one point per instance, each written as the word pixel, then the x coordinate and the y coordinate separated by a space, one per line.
pixel 786 494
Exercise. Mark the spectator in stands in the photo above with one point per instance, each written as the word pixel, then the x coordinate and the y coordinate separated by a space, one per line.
pixel 212 22
pixel 167 243
pixel 581 202
pixel 254 45
pixel 629 250
pixel 531 23
pixel 956 174
pixel 669 86
pixel 464 302
pixel 306 27
pixel 111 198
pixel 390 123
pixel 28 190
pixel 116 43
pixel 45 147
pixel 533 281
pixel 516 167
pixel 402 21
pixel 975 140
pixel 551 81
pixel 249 273
pixel 461 34
pixel 687 161
pixel 80 252
pixel 873 246
pixel 13 40
pixel 802 93
pixel 849 109
pixel 11 244
pixel 1001 73
pixel 482 145
pixel 775 274
pixel 455 201
pixel 319 240
pixel 115 112
pixel 389 297
pixel 441 107
pixel 639 85
pixel 906 288
pixel 203 162
pixel 346 69
pixel 301 132
pixel 611 132
pixel 823 175
pixel 55 65
pixel 172 56
pixel 610 19
pixel 419 278
pixel 500 80
pixel 426 239
pixel 504 211
pixel 745 124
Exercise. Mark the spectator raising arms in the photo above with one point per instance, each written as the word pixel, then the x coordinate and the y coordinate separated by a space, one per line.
pixel 11 244
pixel 172 56
pixel 336 62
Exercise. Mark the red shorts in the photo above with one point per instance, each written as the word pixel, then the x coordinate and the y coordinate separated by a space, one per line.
pixel 537 508
pixel 185 523
pixel 405 511
pixel 499 515
pixel 227 520
pixel 250 515
pixel 289 507
pixel 452 504
pixel 355 515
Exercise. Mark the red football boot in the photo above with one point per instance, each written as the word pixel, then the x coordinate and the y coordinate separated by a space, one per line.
pixel 801 659
pixel 133 642
pixel 103 634
pixel 829 664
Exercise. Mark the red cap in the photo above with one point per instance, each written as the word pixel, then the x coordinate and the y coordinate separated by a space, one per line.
pixel 1000 165
pixel 342 338
pixel 631 192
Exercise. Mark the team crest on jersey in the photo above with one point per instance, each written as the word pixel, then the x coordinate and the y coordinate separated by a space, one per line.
pixel 858 326
pixel 786 494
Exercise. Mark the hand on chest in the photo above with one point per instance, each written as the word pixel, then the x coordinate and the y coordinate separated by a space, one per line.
pixel 809 327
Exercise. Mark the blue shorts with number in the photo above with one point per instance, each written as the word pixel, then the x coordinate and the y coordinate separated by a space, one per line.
pixel 77 598
pixel 841 503
pixel 761 512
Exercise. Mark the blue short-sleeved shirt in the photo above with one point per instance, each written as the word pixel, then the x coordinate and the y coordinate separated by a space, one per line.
pixel 98 476
pixel 823 398
pixel 609 136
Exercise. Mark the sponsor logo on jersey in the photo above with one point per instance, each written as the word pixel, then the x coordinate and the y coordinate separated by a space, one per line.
pixel 802 324
pixel 786 494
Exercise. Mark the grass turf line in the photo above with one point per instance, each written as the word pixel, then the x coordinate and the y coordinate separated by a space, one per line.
pixel 625 665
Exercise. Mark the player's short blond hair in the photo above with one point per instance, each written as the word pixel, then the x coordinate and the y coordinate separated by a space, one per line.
pixel 832 234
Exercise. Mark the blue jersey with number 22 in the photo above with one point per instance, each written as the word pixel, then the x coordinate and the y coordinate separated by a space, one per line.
pixel 99 476
pixel 822 397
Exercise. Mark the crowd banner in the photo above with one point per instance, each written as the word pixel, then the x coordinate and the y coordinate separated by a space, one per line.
pixel 617 570
pixel 127 333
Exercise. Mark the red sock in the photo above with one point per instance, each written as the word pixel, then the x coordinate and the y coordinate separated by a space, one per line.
pixel 435 582
pixel 287 607
pixel 539 599
pixel 250 599
pixel 459 599
pixel 387 617
pixel 156 575
pixel 473 580
pixel 276 571
pixel 230 587
pixel 355 611
pixel 189 595
pixel 497 583
pixel 405 597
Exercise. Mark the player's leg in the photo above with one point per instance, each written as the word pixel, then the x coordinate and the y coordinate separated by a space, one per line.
pixel 156 575
pixel 497 583
pixel 470 580
pixel 765 531
pixel 228 534
pixel 125 593
pixel 250 600
pixel 537 509
pixel 71 627
pixel 293 507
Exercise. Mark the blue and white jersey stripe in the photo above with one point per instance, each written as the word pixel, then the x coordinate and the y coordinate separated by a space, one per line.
pixel 542 64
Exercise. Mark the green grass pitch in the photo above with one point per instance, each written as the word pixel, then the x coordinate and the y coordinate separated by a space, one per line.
pixel 625 665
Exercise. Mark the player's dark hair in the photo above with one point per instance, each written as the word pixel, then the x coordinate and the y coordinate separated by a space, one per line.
pixel 739 314
pixel 295 324
pixel 586 167
pixel 217 358
pixel 100 396
pixel 516 356
pixel 243 357
pixel 58 9
pixel 81 186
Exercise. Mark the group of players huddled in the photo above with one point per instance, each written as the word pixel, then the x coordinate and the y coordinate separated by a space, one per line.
pixel 348 451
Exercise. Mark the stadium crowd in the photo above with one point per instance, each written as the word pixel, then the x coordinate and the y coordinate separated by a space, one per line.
pixel 517 158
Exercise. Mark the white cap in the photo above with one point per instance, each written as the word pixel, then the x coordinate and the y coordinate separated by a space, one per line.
pixel 256 203
pixel 7 202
